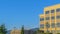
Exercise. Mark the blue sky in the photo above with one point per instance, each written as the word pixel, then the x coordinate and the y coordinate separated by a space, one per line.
pixel 15 13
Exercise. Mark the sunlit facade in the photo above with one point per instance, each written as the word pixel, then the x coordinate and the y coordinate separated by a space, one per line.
pixel 15 32
pixel 51 16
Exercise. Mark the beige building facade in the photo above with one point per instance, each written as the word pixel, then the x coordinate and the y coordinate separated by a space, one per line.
pixel 15 32
pixel 51 16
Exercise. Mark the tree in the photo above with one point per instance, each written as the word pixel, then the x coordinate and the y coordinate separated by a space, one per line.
pixel 35 32
pixel 22 30
pixel 40 31
pixel 47 26
pixel 3 29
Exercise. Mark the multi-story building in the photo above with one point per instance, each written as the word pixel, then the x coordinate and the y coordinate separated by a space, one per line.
pixel 50 20
pixel 15 31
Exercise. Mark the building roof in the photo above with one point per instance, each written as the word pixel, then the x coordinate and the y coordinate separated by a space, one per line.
pixel 52 7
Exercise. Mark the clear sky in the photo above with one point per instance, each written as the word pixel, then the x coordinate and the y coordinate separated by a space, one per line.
pixel 15 13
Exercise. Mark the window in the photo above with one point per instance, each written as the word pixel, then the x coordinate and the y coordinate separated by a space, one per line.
pixel 52 11
pixel 52 17
pixel 47 25
pixel 41 19
pixel 58 24
pixel 53 25
pixel 41 25
pixel 58 10
pixel 47 18
pixel 47 12
pixel 58 17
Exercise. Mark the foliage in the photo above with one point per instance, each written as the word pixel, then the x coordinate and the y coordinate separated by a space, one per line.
pixel 22 30
pixel 58 33
pixel 48 33
pixel 39 32
pixel 35 32
pixel 3 29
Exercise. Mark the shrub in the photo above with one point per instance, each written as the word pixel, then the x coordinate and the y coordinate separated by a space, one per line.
pixel 58 33
pixel 47 33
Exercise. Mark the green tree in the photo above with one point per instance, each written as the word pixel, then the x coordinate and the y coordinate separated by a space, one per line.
pixel 3 29
pixel 22 30
pixel 35 32
pixel 40 31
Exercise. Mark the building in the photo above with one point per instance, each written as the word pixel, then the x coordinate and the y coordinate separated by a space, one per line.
pixel 50 19
pixel 30 31
pixel 15 31
pixel 26 31
pixel 8 31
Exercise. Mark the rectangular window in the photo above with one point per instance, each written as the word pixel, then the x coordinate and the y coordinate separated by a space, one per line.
pixel 53 25
pixel 52 17
pixel 47 18
pixel 41 19
pixel 47 25
pixel 58 24
pixel 52 11
pixel 58 17
pixel 41 25
pixel 58 10
pixel 47 12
